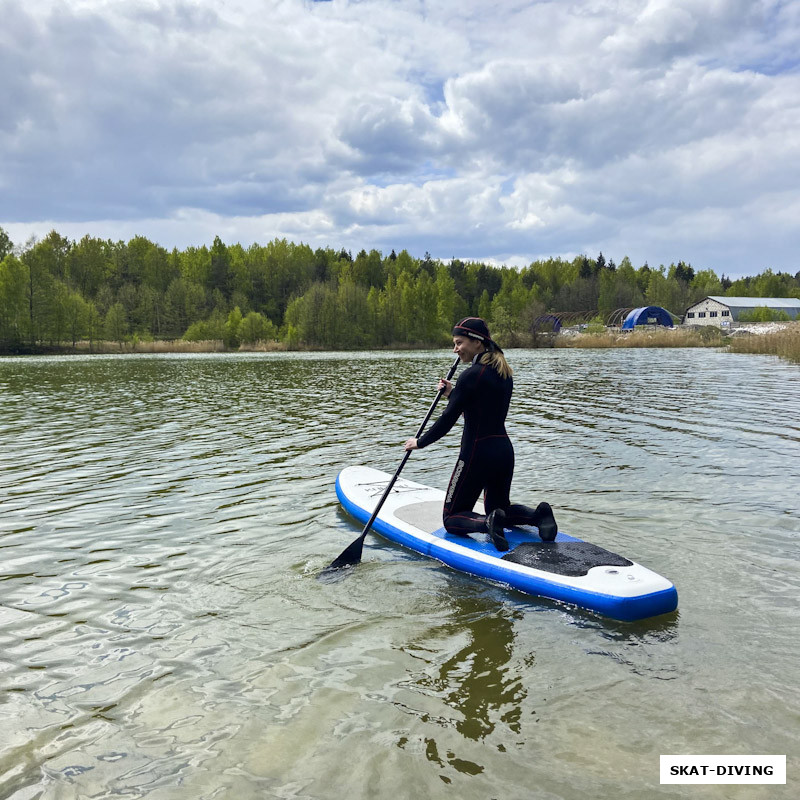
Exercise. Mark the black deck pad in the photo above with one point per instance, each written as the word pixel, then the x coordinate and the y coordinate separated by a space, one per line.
pixel 565 558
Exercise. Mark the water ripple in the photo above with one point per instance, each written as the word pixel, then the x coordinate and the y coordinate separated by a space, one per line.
pixel 162 632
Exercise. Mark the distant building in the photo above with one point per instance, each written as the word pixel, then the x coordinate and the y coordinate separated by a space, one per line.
pixel 722 311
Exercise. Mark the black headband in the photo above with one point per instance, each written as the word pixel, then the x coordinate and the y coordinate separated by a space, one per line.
pixel 459 331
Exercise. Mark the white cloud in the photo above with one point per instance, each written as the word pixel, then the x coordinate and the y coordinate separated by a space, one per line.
pixel 461 128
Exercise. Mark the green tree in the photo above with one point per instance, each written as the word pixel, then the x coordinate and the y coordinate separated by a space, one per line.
pixel 220 277
pixel 335 315
pixel 771 284
pixel 286 271
pixel 195 265
pixel 209 330
pixel 428 264
pixel 485 306
pixel 367 269
pixel 404 263
pixel 116 324
pixel 53 251
pixel 643 277
pixel 353 311
pixel 241 275
pixel 231 337
pixel 128 295
pixel 764 314
pixel 88 265
pixel 145 263
pixel 55 290
pixel 407 316
pixel 665 291
pixel 6 245
pixel 426 327
pixel 184 303
pixel 39 289
pixel 14 317
pixel 387 330
pixel 256 328
pixel 587 268
pixel 94 324
pixel 313 315
pixel 704 283
pixel 507 308
pixel 446 301
pixel 684 273
pixel 58 328
pixel 105 299
pixel 618 288
pixel 157 269
pixel 149 311
pixel 76 312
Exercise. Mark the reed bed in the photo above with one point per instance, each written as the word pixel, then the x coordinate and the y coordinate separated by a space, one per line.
pixel 784 343
pixel 155 346
pixel 270 346
pixel 643 337
pixel 173 346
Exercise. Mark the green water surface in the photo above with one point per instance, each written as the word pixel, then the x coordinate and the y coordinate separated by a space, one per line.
pixel 163 634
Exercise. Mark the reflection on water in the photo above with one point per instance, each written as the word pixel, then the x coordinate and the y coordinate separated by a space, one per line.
pixel 162 633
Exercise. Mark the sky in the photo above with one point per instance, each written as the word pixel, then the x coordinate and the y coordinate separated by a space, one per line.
pixel 502 132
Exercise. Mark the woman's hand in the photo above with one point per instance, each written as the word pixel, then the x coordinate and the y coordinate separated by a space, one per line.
pixel 411 444
pixel 445 386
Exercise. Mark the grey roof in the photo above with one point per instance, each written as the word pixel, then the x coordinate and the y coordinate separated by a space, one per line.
pixel 754 302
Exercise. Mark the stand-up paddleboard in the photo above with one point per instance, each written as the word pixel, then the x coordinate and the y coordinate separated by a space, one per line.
pixel 568 569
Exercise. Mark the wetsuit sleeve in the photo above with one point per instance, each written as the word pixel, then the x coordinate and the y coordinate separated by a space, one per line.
pixel 449 417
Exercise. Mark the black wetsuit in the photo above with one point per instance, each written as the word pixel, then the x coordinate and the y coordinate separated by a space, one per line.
pixel 486 461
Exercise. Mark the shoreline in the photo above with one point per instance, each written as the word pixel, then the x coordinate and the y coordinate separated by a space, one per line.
pixel 782 339
pixel 140 347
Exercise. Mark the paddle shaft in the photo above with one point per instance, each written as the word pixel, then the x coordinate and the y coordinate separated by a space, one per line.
pixel 408 452
pixel 352 554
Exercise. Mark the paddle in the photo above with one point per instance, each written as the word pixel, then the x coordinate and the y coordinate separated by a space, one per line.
pixel 352 554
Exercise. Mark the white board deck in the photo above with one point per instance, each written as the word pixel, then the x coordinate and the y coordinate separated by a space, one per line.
pixel 568 569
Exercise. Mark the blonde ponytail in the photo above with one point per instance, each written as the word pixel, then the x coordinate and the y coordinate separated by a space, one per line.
pixel 496 360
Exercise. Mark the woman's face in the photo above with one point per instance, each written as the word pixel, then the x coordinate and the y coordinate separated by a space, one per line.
pixel 466 348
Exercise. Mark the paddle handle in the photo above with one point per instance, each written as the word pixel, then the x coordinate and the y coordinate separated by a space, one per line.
pixel 451 372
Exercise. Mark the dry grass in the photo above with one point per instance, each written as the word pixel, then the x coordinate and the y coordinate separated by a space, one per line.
pixel 645 337
pixel 167 346
pixel 263 347
pixel 785 343
pixel 173 346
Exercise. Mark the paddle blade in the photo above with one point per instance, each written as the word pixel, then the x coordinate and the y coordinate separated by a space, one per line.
pixel 349 557
pixel 330 575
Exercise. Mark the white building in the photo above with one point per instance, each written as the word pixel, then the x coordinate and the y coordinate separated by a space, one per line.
pixel 722 311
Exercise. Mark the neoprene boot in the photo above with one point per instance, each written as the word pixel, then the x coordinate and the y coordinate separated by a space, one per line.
pixel 548 528
pixel 541 516
pixel 495 523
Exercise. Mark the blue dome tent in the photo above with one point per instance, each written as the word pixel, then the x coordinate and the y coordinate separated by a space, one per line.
pixel 647 315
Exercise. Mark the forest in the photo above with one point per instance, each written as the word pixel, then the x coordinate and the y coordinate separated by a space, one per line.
pixel 55 293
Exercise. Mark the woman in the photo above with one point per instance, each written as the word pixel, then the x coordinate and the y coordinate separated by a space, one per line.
pixel 486 461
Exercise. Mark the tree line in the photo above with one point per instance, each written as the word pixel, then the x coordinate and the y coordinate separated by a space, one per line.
pixel 55 292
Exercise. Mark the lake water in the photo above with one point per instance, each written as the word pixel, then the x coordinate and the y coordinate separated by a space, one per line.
pixel 163 633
